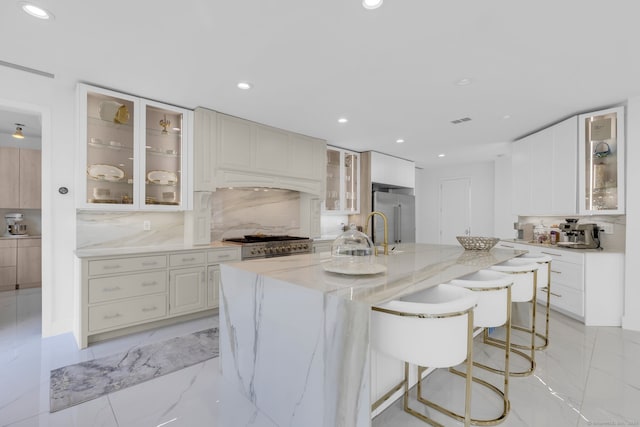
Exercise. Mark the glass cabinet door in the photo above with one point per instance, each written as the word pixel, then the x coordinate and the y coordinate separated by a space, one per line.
pixel 333 190
pixel 110 149
pixel 163 155
pixel 351 181
pixel 602 162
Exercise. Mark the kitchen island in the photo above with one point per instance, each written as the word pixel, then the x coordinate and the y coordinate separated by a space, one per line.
pixel 294 338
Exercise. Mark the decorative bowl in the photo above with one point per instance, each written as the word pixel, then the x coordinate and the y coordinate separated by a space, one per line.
pixel 477 243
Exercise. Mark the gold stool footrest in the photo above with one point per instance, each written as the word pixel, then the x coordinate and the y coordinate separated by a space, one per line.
pixel 545 339
pixel 500 344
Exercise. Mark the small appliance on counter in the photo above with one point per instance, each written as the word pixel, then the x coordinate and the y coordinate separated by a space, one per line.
pixel 525 231
pixel 579 236
pixel 15 227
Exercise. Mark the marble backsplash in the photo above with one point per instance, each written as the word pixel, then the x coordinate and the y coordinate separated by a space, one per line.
pixel 234 213
pixel 237 212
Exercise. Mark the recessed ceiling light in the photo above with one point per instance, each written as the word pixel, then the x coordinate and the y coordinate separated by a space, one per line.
pixel 441 155
pixel 343 120
pixel 371 4
pixel 35 11
pixel 464 82
pixel 506 116
pixel 244 85
pixel 399 141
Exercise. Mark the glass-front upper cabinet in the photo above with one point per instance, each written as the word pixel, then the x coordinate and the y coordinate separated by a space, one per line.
pixel 343 182
pixel 133 152
pixel 601 162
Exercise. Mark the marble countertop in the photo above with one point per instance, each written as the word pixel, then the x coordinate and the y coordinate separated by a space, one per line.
pixel 560 248
pixel 12 237
pixel 95 252
pixel 411 268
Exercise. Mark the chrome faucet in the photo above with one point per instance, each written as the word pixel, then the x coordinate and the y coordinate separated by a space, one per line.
pixel 385 243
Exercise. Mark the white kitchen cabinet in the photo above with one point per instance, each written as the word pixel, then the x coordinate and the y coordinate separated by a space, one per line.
pixel 393 171
pixel 544 168
pixel 343 182
pixel 125 294
pixel 233 152
pixel 587 285
pixel 135 154
pixel 186 290
pixel 601 162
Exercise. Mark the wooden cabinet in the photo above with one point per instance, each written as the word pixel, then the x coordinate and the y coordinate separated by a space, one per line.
pixel 20 178
pixel 544 168
pixel 132 152
pixel 8 263
pixel 233 152
pixel 601 162
pixel 29 257
pixel 342 195
pixel 122 294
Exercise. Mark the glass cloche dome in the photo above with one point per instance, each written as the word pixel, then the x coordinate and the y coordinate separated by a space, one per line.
pixel 352 246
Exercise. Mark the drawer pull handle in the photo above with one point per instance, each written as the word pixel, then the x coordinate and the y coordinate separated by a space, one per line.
pixel 556 271
pixel 148 263
pixel 188 259
pixel 507 246
pixel 112 266
pixel 148 309
pixel 551 253
pixel 224 256
pixel 112 316
pixel 550 293
pixel 149 283
pixel 111 289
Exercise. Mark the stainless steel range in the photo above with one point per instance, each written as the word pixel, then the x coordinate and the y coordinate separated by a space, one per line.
pixel 265 246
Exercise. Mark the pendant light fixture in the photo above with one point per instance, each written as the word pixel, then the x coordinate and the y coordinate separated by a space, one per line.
pixel 18 133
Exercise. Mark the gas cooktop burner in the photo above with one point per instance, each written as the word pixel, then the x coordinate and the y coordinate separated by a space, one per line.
pixel 265 246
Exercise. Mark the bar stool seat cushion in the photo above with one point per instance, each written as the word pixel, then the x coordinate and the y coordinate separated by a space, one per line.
pixel 522 273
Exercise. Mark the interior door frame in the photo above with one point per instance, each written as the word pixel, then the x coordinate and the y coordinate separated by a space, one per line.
pixel 45 203
pixel 440 203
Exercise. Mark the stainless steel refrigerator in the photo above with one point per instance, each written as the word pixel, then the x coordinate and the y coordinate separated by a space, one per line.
pixel 400 210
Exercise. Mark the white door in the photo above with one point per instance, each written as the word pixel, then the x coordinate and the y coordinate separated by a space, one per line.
pixel 455 206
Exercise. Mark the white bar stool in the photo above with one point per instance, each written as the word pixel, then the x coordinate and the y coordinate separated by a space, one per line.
pixel 525 278
pixel 436 332
pixel 544 284
pixel 494 309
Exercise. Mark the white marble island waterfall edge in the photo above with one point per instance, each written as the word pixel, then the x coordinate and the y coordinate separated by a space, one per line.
pixel 294 339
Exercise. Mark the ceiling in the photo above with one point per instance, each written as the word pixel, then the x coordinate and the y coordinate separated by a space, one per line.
pixel 392 71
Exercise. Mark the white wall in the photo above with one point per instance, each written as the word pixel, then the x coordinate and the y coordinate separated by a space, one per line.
pixel 504 219
pixel 631 318
pixel 428 196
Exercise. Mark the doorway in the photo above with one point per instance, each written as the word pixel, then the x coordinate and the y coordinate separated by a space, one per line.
pixel 21 271
pixel 455 209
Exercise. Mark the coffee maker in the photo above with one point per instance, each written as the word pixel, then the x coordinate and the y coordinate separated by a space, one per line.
pixel 15 227
pixel 580 236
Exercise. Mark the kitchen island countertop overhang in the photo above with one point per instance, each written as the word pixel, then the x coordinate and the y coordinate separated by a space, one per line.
pixel 294 338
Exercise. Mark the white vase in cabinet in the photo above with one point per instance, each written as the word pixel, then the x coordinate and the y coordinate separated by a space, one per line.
pixel 134 153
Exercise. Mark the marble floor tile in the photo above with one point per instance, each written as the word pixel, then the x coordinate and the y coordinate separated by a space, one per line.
pixel 587 376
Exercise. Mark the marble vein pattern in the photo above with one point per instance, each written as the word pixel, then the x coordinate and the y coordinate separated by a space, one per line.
pixel 88 380
pixel 237 212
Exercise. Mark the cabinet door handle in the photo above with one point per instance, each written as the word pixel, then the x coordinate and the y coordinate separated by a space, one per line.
pixel 111 289
pixel 111 267
pixel 556 271
pixel 202 277
pixel 148 263
pixel 550 293
pixel 506 246
pixel 148 309
pixel 112 316
pixel 149 283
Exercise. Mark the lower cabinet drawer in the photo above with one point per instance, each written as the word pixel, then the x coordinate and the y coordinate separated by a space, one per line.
pixel 117 314
pixel 131 285
pixel 124 265
pixel 187 259
pixel 567 274
pixel 567 299
pixel 222 255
